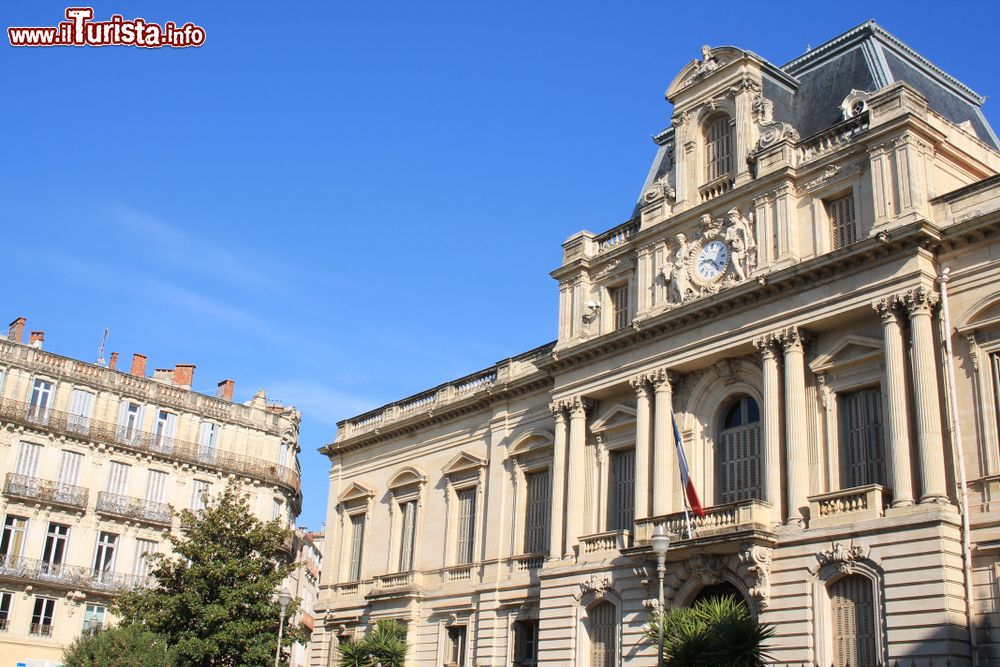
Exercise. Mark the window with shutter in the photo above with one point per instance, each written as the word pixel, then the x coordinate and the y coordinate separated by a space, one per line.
pixel 619 307
pixel 208 436
pixel 603 636
pixel 843 226
pixel 525 643
pixel 28 454
pixel 718 147
pixel 142 548
pixel 853 614
pixel 104 557
pixel 81 406
pixel 863 450
pixel 199 495
pixel 456 646
pixel 536 512
pixel 466 546
pixel 69 467
pixel 408 511
pixel 12 542
pixel 118 478
pixel 357 547
pixel 41 402
pixel 54 550
pixel 166 427
pixel 129 421
pixel 621 505
pixel 156 484
pixel 738 452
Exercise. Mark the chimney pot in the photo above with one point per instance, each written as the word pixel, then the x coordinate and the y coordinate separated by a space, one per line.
pixel 184 375
pixel 15 332
pixel 114 361
pixel 225 391
pixel 138 365
pixel 36 338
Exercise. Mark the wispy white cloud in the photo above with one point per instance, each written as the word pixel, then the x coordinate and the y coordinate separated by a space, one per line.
pixel 317 402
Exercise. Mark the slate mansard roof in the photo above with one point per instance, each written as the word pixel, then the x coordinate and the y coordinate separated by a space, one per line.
pixel 864 58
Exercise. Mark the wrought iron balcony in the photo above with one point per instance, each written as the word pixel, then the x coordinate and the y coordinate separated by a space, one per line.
pixel 137 509
pixel 71 577
pixel 33 488
pixel 41 629
pixel 63 423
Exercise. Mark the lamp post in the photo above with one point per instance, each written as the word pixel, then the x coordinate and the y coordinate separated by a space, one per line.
pixel 660 543
pixel 284 597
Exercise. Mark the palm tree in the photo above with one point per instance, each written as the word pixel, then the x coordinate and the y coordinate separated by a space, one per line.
pixel 718 632
pixel 384 646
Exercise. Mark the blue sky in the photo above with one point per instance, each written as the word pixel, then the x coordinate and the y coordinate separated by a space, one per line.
pixel 345 203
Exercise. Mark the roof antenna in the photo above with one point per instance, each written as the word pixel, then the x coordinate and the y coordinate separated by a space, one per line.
pixel 100 350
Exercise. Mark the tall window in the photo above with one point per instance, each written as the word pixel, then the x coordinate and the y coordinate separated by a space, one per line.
pixel 853 621
pixel 69 467
pixel 54 551
pixel 41 617
pixel 118 478
pixel 208 437
pixel 164 430
pixel 93 618
pixel 129 421
pixel 456 646
pixel 621 500
pixel 861 437
pixel 357 547
pixel 27 459
pixel 12 542
pixel 603 635
pixel 619 307
pixel 141 566
pixel 104 557
pixel 525 643
pixel 199 495
pixel 156 484
pixel 81 404
pixel 718 147
pixel 843 224
pixel 738 452
pixel 466 525
pixel 536 512
pixel 408 524
pixel 41 401
pixel 4 610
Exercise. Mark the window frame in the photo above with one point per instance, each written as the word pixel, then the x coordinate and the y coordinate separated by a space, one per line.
pixel 39 615
pixel 723 495
pixel 13 530
pixel 844 198
pixel 880 462
pixel 711 156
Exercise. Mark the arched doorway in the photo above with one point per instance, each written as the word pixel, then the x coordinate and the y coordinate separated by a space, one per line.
pixel 721 590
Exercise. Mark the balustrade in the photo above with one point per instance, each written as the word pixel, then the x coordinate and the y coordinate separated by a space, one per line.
pixel 72 577
pixel 138 509
pixel 846 506
pixel 718 520
pixel 33 488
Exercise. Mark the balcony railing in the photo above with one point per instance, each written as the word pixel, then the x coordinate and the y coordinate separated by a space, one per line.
pixel 612 540
pixel 62 423
pixel 33 488
pixel 616 236
pixel 68 576
pixel 718 520
pixel 527 563
pixel 41 629
pixel 846 506
pixel 137 509
pixel 395 584
pixel 717 188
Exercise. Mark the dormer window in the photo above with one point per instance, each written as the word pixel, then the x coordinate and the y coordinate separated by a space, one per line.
pixel 718 147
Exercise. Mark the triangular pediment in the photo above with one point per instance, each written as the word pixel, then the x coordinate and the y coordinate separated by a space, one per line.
pixel 355 492
pixel 849 350
pixel 619 416
pixel 406 476
pixel 463 462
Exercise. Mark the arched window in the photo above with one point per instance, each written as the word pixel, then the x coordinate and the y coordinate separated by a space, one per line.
pixel 853 611
pixel 721 590
pixel 603 635
pixel 738 452
pixel 718 147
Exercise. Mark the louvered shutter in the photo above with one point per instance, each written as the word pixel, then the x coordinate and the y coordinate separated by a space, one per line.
pixel 118 478
pixel 27 459
pixel 156 483
pixel 69 467
pixel 357 546
pixel 854 622
pixel 141 566
pixel 622 503
pixel 738 453
pixel 536 524
pixel 80 407
pixel 466 525
pixel 409 511
pixel 842 223
pixel 863 442
pixel 604 636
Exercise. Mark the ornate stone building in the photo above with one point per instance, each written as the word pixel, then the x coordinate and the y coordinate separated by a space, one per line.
pixel 96 461
pixel 776 290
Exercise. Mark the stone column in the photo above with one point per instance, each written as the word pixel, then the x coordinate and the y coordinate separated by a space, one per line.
pixel 663 444
pixel 576 476
pixel 558 483
pixel 796 441
pixel 895 386
pixel 771 432
pixel 642 412
pixel 926 399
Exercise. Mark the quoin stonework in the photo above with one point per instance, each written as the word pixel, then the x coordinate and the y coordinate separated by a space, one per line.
pixel 97 460
pixel 777 290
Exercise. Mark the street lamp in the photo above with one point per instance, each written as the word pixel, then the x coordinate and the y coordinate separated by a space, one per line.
pixel 284 597
pixel 660 543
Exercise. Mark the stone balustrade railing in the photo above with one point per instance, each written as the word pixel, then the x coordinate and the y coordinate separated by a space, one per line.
pixel 396 583
pixel 458 573
pixel 716 188
pixel 33 488
pixel 846 506
pixel 347 590
pixel 71 577
pixel 612 540
pixel 616 236
pixel 718 520
pixel 831 138
pixel 135 509
pixel 526 563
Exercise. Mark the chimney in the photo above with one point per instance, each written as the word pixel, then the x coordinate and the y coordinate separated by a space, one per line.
pixel 138 365
pixel 225 390
pixel 114 361
pixel 184 375
pixel 15 333
pixel 36 338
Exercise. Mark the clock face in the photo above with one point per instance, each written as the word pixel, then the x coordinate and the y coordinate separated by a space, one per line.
pixel 712 260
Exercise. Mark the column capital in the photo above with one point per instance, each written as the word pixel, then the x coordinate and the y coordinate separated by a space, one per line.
pixel 558 409
pixel 766 345
pixel 792 339
pixel 640 383
pixel 888 308
pixel 664 379
pixel 919 301
pixel 578 405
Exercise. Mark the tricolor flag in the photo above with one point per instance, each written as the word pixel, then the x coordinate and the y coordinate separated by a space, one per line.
pixel 689 490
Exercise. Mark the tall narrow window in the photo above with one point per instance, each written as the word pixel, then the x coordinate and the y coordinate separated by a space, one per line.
pixel 408 524
pixel 93 618
pixel 861 437
pixel 41 617
pixel 129 421
pixel 525 643
pixel 69 467
pixel 81 405
pixel 466 552
pixel 4 611
pixel 738 452
pixel 156 484
pixel 104 557
pixel 853 612
pixel 208 435
pixel 199 495
pixel 41 402
pixel 164 430
pixel 54 551
pixel 843 225
pixel 536 512
pixel 619 307
pixel 718 147
pixel 28 454
pixel 456 646
pixel 140 567
pixel 603 636
pixel 621 501
pixel 357 547
pixel 118 478
pixel 12 542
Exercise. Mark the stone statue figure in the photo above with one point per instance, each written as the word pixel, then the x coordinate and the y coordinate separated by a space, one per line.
pixel 742 243
pixel 675 273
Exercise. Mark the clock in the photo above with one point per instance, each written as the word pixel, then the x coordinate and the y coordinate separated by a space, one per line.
pixel 712 260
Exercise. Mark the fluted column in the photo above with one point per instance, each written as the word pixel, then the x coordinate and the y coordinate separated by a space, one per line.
pixel 772 425
pixel 895 386
pixel 643 410
pixel 576 476
pixel 926 399
pixel 558 482
pixel 796 459
pixel 663 451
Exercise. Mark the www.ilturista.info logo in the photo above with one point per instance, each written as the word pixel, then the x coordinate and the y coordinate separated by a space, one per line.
pixel 81 30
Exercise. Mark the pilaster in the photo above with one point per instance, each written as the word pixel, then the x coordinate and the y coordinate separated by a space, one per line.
pixel 641 385
pixel 663 433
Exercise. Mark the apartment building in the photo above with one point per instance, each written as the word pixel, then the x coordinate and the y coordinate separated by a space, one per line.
pixel 97 461
pixel 815 245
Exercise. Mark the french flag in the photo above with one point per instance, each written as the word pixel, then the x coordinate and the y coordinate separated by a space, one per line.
pixel 689 490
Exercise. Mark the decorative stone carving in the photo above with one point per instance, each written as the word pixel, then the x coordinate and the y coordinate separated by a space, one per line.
pixel 707 569
pixel 660 189
pixel 709 63
pixel 843 557
pixel 727 369
pixel 597 585
pixel 855 104
pixel 769 130
pixel 742 244
pixel 919 301
pixel 675 273
pixel 757 561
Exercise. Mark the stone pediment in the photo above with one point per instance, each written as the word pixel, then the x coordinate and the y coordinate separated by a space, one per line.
pixel 407 476
pixel 530 441
pixel 711 60
pixel 618 417
pixel 850 350
pixel 355 492
pixel 984 317
pixel 463 462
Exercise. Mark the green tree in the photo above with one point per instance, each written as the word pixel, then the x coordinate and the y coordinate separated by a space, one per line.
pixel 385 645
pixel 718 632
pixel 214 598
pixel 126 646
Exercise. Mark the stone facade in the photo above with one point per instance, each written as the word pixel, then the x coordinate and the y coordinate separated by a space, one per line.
pixel 96 462
pixel 777 293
